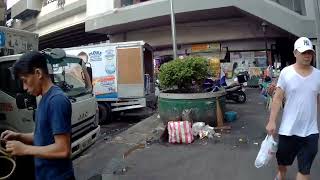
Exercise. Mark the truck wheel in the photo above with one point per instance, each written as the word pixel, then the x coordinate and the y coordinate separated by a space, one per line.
pixel 105 115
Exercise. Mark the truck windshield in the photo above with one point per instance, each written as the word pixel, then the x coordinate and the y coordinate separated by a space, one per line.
pixel 72 77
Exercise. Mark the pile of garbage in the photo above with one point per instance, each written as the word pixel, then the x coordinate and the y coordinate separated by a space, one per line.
pixel 184 131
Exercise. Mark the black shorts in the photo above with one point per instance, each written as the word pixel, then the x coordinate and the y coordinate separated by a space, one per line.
pixel 304 148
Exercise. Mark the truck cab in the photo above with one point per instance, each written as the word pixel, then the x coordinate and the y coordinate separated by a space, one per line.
pixel 17 109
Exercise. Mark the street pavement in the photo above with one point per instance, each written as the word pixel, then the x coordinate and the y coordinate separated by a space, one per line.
pixel 230 157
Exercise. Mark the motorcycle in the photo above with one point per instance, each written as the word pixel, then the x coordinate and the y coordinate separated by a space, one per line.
pixel 235 92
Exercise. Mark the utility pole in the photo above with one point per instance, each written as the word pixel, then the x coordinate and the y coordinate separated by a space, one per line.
pixel 264 29
pixel 317 22
pixel 173 30
pixel 3 11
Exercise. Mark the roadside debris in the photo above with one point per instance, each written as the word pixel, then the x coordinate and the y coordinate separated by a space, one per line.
pixel 197 127
pixel 202 130
pixel 116 166
pixel 180 132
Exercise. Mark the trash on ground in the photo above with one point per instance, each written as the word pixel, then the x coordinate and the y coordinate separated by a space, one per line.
pixel 180 132
pixel 197 127
pixel 202 130
pixel 116 166
pixel 207 131
pixel 217 135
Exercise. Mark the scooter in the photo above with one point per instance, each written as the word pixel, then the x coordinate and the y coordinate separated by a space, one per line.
pixel 236 92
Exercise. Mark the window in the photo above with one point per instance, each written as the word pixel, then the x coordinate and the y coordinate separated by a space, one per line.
pixel 7 83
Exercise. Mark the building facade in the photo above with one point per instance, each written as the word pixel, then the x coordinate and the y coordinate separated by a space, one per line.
pixel 233 25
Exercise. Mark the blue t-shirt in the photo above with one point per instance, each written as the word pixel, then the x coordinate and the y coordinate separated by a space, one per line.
pixel 53 117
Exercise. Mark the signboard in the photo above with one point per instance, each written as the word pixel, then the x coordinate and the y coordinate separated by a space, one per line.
pixel 2 39
pixel 104 72
pixel 205 47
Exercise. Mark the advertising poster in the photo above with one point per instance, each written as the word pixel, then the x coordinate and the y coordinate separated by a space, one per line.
pixel 260 58
pixel 104 72
pixel 227 68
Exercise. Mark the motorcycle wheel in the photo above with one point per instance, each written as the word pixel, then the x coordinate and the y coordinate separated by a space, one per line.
pixel 242 97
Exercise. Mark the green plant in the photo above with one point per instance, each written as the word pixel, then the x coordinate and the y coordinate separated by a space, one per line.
pixel 186 75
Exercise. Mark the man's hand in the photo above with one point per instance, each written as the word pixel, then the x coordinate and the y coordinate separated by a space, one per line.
pixel 16 148
pixel 9 135
pixel 271 128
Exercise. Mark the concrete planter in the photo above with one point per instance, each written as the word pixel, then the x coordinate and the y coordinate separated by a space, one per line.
pixel 203 105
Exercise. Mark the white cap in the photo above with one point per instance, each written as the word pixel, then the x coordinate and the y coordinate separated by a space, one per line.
pixel 303 44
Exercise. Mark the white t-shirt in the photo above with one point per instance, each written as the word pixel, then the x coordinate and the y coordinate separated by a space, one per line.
pixel 300 110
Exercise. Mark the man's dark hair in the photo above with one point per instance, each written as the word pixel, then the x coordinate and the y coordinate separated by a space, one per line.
pixel 28 62
pixel 83 54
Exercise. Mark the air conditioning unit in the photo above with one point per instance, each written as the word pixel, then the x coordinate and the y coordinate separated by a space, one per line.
pixel 25 8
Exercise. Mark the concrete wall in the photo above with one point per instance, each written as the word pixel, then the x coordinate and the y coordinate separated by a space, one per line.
pixel 96 7
pixel 270 11
pixel 53 18
pixel 206 31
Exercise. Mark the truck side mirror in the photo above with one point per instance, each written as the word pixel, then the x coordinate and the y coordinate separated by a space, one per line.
pixel 25 101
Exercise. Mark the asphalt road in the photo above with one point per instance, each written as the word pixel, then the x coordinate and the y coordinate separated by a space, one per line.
pixel 229 157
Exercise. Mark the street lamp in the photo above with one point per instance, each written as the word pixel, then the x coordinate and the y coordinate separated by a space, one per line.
pixel 317 22
pixel 264 29
pixel 173 30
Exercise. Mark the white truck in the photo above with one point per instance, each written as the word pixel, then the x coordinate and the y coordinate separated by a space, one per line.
pixel 122 75
pixel 17 109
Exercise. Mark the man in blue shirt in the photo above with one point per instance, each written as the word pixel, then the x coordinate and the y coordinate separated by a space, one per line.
pixel 50 142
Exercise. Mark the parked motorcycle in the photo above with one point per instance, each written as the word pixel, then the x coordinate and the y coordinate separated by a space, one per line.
pixel 235 92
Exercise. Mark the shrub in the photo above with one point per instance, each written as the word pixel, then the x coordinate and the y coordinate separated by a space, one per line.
pixel 184 75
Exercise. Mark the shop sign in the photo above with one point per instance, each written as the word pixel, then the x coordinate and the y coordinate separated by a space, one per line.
pixel 205 47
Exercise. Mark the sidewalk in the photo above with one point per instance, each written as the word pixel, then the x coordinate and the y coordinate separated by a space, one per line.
pixel 226 158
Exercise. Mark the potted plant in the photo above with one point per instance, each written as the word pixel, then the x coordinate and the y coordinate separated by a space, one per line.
pixel 181 81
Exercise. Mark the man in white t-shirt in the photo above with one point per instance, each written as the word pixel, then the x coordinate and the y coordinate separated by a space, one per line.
pixel 299 84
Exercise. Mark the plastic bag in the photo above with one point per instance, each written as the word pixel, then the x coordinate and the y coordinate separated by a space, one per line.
pixel 207 131
pixel 197 127
pixel 267 150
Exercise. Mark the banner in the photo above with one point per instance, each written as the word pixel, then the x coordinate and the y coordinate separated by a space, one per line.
pixel 104 68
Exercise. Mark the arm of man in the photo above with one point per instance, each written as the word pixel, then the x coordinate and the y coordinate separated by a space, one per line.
pixel 275 108
pixel 26 138
pixel 58 150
